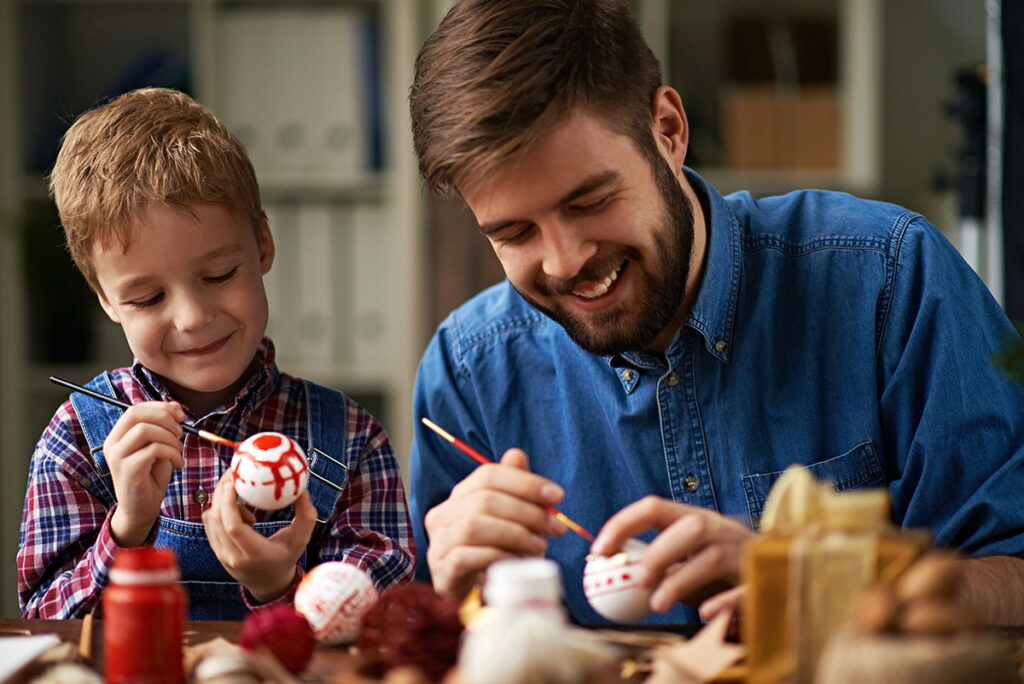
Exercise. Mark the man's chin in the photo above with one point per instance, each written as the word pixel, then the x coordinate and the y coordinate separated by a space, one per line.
pixel 605 338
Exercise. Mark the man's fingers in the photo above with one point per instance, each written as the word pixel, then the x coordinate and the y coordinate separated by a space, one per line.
pixel 500 533
pixel 677 542
pixel 514 481
pixel 649 513
pixel 730 599
pixel 694 579
pixel 493 504
pixel 462 567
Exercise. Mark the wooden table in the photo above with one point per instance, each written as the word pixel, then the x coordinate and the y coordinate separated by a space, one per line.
pixel 328 661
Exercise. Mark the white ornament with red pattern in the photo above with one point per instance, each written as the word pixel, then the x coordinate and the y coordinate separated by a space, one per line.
pixel 333 597
pixel 269 471
pixel 612 586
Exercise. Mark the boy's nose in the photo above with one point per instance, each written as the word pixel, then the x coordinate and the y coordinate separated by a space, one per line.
pixel 565 252
pixel 191 313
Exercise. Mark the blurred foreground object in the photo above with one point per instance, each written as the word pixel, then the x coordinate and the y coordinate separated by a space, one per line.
pixel 817 550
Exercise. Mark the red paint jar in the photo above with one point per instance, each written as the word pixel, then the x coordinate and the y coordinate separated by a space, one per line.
pixel 143 618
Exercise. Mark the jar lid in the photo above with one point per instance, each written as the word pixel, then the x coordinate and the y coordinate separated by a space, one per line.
pixel 145 558
pixel 144 565
pixel 523 582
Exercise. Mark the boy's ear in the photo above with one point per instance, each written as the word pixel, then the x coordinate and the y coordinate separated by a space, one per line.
pixel 111 314
pixel 669 126
pixel 266 246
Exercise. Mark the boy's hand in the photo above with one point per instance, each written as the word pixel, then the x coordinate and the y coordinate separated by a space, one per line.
pixel 263 565
pixel 142 451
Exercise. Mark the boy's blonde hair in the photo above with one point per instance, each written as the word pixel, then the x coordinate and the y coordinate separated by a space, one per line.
pixel 149 145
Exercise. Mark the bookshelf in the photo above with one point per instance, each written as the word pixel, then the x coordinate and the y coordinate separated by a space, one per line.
pixel 317 90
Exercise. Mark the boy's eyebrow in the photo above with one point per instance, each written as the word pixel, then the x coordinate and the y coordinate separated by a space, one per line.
pixel 586 186
pixel 139 281
pixel 223 250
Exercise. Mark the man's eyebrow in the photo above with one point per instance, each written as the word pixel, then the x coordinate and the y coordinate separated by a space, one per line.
pixel 588 185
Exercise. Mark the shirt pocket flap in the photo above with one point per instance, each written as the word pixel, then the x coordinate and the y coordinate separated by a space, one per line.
pixel 857 468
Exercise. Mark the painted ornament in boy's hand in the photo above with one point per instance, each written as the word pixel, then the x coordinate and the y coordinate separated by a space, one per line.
pixel 269 471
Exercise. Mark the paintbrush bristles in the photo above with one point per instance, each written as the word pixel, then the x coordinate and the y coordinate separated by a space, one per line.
pixel 217 439
pixel 438 429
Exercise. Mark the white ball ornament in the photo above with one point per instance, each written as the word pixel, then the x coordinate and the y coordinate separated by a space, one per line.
pixel 611 584
pixel 333 597
pixel 269 471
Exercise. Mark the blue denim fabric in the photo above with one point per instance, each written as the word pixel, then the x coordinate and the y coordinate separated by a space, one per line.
pixel 844 334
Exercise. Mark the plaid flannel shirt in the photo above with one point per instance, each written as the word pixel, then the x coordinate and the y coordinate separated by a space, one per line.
pixel 65 548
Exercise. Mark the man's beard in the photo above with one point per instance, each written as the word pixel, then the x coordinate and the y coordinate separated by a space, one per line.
pixel 662 284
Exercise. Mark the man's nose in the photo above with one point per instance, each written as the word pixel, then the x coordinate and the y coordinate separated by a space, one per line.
pixel 565 251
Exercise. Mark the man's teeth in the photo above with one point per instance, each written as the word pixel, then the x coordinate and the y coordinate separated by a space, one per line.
pixel 595 290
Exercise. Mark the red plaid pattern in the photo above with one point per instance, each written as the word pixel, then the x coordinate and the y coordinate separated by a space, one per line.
pixel 65 547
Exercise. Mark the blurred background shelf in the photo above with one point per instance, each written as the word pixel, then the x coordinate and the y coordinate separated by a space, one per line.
pixel 366 264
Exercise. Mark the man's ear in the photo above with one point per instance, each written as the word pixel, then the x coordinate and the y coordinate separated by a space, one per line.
pixel 669 126
pixel 266 245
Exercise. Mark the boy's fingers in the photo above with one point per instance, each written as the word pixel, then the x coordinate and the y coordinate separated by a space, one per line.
pixel 296 536
pixel 168 415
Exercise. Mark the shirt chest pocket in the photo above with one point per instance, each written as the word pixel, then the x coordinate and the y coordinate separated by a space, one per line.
pixel 857 468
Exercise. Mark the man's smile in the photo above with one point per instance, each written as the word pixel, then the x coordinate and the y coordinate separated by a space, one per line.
pixel 598 288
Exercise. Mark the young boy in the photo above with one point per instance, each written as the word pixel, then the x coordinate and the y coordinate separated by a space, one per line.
pixel 162 214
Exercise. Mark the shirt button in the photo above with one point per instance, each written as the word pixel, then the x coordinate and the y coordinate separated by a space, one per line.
pixel 673 379
pixel 200 496
pixel 690 483
pixel 721 346
pixel 627 375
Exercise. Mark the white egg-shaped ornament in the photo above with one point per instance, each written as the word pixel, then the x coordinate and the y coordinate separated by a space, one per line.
pixel 333 597
pixel 611 584
pixel 269 471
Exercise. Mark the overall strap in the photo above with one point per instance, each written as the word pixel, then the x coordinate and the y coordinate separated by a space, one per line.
pixel 328 455
pixel 97 419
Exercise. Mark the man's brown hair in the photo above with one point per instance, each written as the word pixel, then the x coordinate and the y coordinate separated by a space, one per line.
pixel 495 74
pixel 149 145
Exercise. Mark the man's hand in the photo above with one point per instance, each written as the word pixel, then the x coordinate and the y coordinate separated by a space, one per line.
pixel 695 556
pixel 142 451
pixel 496 512
pixel 263 565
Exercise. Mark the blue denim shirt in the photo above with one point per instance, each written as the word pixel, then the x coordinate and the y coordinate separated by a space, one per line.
pixel 840 333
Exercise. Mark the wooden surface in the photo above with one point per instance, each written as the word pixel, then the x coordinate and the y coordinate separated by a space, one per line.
pixel 328 661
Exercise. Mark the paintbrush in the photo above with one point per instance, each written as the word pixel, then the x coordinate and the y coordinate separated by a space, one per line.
pixel 120 404
pixel 480 458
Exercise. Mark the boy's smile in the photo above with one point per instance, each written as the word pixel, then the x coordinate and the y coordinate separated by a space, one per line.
pixel 188 292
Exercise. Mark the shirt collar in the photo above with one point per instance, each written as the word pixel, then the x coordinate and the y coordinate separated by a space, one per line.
pixel 713 312
pixel 259 387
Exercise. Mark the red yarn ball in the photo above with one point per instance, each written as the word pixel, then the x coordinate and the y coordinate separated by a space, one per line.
pixel 282 632
pixel 412 625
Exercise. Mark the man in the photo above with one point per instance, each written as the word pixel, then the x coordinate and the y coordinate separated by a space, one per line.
pixel 662 353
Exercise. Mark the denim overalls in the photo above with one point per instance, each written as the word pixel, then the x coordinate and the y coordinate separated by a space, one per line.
pixel 213 593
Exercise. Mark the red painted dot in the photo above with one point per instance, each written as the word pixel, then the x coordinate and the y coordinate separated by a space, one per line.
pixel 267 442
pixel 625 576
